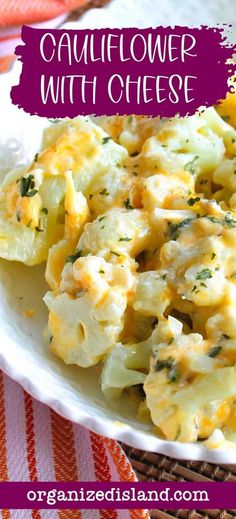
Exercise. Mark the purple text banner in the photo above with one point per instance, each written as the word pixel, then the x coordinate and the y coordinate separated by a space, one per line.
pixel 154 71
pixel 91 495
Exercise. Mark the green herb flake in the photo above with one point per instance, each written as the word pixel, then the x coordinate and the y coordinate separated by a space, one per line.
pixel 18 217
pixel 74 257
pixel 126 238
pixel 101 271
pixel 213 256
pixel 128 204
pixel 45 210
pixel 55 121
pixel 164 364
pixel 129 119
pixel 104 192
pixel 115 253
pixel 204 274
pixel 29 223
pixel 134 154
pixel 27 185
pixel 229 221
pixel 225 118
pixel 203 285
pixel 90 196
pixel 175 228
pixel 226 336
pixel 193 201
pixel 173 373
pixel 213 352
pixel 134 173
pixel 191 166
pixel 194 288
pixel 105 140
pixel 36 157
pixel 38 229
pixel 101 218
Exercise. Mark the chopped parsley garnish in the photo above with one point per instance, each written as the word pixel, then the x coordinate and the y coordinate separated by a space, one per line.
pixel 90 196
pixel 38 229
pixel 229 221
pixel 134 173
pixel 104 192
pixel 213 352
pixel 164 364
pixel 130 119
pixel 171 366
pixel 213 256
pixel 173 373
pixel 101 271
pixel 203 285
pixel 36 157
pixel 134 154
pixel 175 228
pixel 45 210
pixel 105 140
pixel 204 274
pixel 191 166
pixel 126 238
pixel 226 336
pixel 115 253
pixel 128 204
pixel 55 121
pixel 74 257
pixel 193 201
pixel 18 216
pixel 101 218
pixel 225 118
pixel 194 288
pixel 27 186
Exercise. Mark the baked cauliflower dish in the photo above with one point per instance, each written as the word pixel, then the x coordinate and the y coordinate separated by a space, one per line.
pixel 135 220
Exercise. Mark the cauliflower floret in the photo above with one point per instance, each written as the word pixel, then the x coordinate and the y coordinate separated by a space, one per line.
pixel 160 190
pixel 32 202
pixel 77 333
pixel 76 215
pixel 185 392
pixel 184 146
pixel 225 175
pixel 152 295
pixel 97 294
pixel 117 232
pixel 222 323
pixel 120 368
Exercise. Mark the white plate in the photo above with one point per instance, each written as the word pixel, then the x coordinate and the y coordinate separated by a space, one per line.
pixel 72 392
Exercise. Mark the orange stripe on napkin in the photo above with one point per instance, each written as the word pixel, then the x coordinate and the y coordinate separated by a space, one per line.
pixel 3 453
pixel 30 444
pixel 102 469
pixel 17 12
pixel 5 63
pixel 125 472
pixel 64 457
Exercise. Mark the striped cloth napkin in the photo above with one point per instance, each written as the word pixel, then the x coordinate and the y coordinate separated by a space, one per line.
pixel 14 13
pixel 36 444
